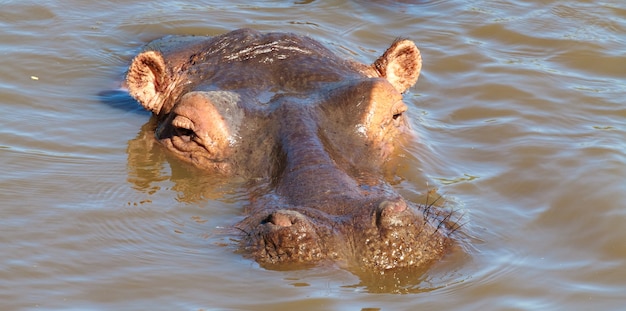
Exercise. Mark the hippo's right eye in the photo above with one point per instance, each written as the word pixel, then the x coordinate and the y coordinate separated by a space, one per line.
pixel 181 131
pixel 183 127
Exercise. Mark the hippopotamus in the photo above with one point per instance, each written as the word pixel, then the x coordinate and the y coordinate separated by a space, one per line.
pixel 309 129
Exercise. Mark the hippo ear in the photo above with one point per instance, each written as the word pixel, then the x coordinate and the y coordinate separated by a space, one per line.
pixel 400 65
pixel 146 80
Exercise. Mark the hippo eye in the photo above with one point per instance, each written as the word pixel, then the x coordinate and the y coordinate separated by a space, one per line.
pixel 181 131
pixel 397 119
pixel 397 110
pixel 183 126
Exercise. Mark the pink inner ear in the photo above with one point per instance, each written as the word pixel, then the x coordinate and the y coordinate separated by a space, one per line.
pixel 146 79
pixel 400 64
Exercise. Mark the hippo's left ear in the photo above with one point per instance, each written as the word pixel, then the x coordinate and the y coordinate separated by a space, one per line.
pixel 147 80
pixel 400 65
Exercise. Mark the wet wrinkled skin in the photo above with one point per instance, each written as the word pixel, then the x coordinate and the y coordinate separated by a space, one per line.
pixel 312 131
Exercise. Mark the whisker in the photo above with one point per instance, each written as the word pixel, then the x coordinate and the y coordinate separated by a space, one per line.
pixel 242 230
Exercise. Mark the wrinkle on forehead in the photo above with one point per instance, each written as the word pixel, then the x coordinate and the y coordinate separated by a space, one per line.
pixel 272 47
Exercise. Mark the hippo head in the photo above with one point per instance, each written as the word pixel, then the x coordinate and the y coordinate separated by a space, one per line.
pixel 310 129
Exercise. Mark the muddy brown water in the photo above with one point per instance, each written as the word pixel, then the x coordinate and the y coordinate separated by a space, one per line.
pixel 520 117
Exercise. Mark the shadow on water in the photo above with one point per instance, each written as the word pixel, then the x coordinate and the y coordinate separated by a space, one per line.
pixel 398 281
pixel 121 100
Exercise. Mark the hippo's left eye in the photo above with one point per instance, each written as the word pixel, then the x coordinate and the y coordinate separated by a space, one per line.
pixel 397 110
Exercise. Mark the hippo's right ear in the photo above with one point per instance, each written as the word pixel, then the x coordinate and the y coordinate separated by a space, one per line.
pixel 147 80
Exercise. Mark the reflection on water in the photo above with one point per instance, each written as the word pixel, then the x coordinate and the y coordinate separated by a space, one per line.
pixel 146 168
pixel 521 127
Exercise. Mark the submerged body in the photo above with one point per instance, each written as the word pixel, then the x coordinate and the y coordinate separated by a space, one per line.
pixel 312 128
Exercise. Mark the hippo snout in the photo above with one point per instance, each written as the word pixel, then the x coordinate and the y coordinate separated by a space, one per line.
pixel 404 235
pixel 287 237
pixel 378 234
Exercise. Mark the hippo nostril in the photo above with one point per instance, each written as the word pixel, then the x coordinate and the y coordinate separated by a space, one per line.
pixel 280 219
pixel 389 211
pixel 392 207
